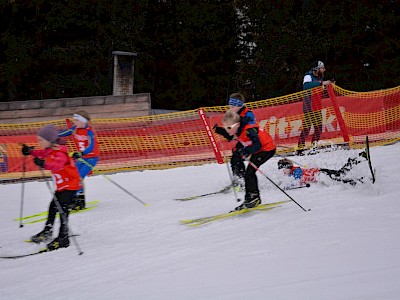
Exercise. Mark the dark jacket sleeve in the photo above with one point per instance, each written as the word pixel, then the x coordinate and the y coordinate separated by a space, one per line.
pixel 66 132
pixel 252 133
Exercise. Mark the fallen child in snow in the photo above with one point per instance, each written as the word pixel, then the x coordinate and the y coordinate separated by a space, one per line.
pixel 302 176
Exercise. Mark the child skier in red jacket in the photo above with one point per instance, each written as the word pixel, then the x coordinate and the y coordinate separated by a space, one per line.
pixel 237 105
pixel 254 142
pixel 53 156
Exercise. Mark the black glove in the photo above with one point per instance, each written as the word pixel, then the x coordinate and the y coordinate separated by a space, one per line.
pixel 26 150
pixel 77 155
pixel 221 131
pixel 39 162
pixel 242 152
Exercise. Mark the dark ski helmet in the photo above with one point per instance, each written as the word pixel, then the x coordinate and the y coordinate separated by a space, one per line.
pixel 285 164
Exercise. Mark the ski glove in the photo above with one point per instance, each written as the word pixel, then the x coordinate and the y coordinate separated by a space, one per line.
pixel 26 150
pixel 76 155
pixel 39 162
pixel 223 132
pixel 242 152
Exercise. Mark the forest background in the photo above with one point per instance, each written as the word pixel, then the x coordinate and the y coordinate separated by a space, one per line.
pixel 195 53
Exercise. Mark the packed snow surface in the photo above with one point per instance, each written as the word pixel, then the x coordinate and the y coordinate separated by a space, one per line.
pixel 346 247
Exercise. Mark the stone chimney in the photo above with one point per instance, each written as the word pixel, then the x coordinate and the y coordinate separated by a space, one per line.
pixel 124 65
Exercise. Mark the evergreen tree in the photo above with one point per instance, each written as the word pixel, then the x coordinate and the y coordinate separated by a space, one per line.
pixel 356 40
pixel 195 53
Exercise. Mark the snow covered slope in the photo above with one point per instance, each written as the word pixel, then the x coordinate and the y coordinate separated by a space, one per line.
pixel 346 247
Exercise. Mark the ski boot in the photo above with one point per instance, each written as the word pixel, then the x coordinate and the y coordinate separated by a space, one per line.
pixel 78 202
pixel 58 242
pixel 62 241
pixel 238 184
pixel 299 150
pixel 251 200
pixel 43 236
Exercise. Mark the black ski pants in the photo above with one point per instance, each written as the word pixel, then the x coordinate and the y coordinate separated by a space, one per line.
pixel 338 174
pixel 64 199
pixel 251 182
pixel 237 164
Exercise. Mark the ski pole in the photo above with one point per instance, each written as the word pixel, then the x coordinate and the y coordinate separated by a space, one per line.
pixel 21 208
pixel 258 169
pixel 112 181
pixel 230 173
pixel 307 185
pixel 62 216
pixel 232 182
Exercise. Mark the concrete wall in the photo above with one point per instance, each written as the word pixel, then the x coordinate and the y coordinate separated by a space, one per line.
pixel 98 107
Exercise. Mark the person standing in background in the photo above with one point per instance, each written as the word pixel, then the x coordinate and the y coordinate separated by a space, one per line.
pixel 312 104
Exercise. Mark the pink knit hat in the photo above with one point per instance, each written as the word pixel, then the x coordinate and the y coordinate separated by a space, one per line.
pixel 49 133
